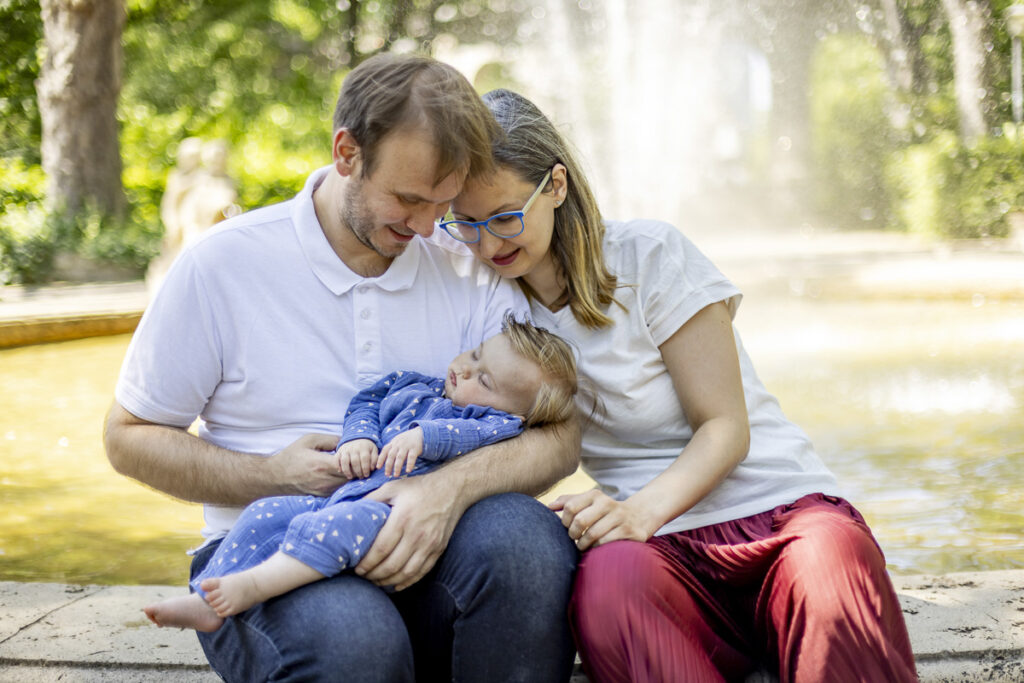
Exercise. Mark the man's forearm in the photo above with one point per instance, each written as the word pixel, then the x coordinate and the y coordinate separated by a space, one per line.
pixel 531 463
pixel 180 464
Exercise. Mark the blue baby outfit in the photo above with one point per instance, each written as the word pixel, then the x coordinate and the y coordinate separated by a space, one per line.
pixel 332 534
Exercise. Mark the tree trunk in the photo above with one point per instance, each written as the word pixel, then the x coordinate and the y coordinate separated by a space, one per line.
pixel 967 26
pixel 78 87
pixel 898 54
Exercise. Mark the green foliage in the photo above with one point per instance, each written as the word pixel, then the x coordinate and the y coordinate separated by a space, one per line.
pixel 20 31
pixel 26 248
pixel 241 71
pixel 851 133
pixel 31 235
pixel 261 74
pixel 946 189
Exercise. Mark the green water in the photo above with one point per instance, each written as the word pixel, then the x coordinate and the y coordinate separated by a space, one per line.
pixel 917 406
pixel 65 515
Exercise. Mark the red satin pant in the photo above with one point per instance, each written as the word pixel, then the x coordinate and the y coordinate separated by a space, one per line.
pixel 801 589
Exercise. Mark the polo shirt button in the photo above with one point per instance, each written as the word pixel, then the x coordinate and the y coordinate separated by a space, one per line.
pixel 366 347
pixel 365 314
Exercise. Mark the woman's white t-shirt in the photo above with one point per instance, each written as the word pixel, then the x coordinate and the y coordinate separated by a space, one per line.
pixel 663 280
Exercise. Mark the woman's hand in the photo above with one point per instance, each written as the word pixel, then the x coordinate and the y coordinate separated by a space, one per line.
pixel 594 518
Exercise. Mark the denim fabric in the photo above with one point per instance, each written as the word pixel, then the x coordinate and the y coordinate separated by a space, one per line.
pixel 492 609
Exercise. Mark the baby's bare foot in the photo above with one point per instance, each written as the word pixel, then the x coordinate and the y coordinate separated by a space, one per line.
pixel 187 611
pixel 231 594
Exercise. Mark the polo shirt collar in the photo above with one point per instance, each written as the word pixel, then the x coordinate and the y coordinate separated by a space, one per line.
pixel 326 265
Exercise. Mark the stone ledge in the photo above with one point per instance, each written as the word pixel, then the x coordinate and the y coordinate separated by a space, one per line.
pixel 963 627
pixel 60 312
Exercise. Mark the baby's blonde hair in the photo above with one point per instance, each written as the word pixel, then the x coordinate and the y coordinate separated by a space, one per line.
pixel 554 401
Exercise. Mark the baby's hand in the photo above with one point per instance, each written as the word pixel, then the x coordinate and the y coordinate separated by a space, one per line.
pixel 401 452
pixel 356 458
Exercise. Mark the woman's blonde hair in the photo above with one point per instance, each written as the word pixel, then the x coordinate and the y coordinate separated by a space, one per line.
pixel 531 145
pixel 554 401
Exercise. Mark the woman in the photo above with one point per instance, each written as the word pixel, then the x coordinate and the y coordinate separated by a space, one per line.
pixel 716 541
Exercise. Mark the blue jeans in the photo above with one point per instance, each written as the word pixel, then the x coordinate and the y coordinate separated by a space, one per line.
pixel 492 609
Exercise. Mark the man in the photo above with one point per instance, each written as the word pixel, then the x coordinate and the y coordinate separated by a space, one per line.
pixel 270 323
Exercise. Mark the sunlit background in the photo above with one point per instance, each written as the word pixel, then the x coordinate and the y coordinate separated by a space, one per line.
pixel 756 127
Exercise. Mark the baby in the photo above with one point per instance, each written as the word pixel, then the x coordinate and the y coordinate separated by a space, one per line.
pixel 406 424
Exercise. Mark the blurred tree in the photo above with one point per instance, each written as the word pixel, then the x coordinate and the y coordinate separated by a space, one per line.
pixel 968 21
pixel 943 57
pixel 78 86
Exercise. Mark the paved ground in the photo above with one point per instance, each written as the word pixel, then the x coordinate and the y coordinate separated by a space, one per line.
pixel 964 627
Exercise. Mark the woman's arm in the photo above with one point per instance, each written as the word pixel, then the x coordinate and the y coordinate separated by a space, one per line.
pixel 701 358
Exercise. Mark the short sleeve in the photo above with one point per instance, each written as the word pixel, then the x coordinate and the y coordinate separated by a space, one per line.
pixel 173 363
pixel 676 280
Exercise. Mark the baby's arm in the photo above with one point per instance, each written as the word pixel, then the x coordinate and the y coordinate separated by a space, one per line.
pixel 360 438
pixel 440 439
pixel 447 438
pixel 401 452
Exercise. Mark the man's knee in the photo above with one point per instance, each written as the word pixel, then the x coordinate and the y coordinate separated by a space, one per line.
pixel 517 539
pixel 339 624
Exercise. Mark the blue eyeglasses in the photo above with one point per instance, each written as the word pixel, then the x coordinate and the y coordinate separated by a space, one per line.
pixel 504 225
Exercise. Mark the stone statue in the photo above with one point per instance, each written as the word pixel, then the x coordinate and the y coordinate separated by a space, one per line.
pixel 179 181
pixel 212 196
pixel 198 194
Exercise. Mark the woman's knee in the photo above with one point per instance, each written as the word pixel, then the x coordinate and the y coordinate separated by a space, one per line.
pixel 831 543
pixel 831 564
pixel 615 580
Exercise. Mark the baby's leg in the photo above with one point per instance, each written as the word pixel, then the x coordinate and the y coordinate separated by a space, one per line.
pixel 337 537
pixel 237 592
pixel 317 544
pixel 185 611
pixel 256 535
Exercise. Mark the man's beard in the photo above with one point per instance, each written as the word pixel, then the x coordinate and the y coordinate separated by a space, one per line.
pixel 357 217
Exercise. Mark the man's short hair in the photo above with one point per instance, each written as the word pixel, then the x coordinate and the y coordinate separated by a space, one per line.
pixel 388 92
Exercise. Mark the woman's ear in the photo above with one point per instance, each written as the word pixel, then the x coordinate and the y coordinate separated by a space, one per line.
pixel 345 152
pixel 559 183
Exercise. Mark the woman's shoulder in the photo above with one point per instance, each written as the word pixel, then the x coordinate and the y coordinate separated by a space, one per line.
pixel 644 233
pixel 644 240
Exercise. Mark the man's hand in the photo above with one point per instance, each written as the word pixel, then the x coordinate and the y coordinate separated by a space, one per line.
pixel 309 465
pixel 401 452
pixel 357 458
pixel 593 518
pixel 423 515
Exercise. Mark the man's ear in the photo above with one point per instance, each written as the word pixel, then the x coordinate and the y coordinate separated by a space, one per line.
pixel 559 183
pixel 346 155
